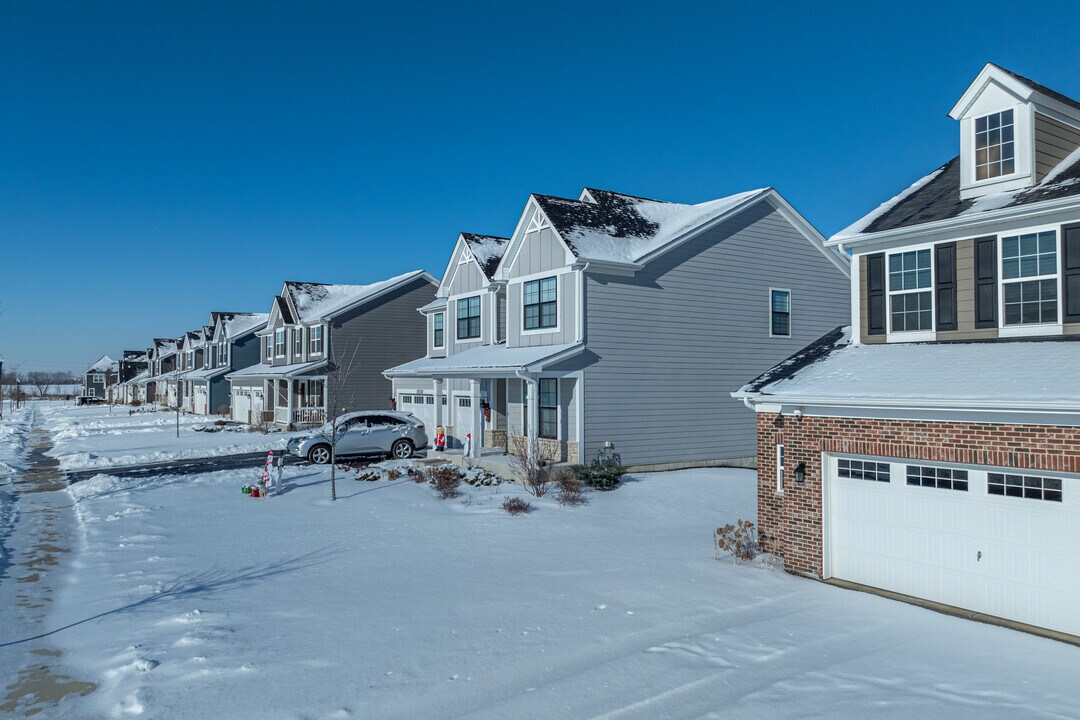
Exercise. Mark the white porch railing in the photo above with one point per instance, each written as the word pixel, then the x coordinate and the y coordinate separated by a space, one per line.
pixel 309 416
pixel 281 415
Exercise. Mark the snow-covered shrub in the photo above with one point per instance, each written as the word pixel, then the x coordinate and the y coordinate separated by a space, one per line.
pixel 601 475
pixel 418 476
pixel 393 474
pixel 479 477
pixel 445 479
pixel 569 489
pixel 516 506
pixel 739 540
pixel 369 474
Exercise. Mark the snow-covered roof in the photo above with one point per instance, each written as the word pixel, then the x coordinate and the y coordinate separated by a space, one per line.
pixel 239 324
pixel 265 370
pixel 487 249
pixel 103 364
pixel 929 374
pixel 315 301
pixel 436 304
pixel 937 197
pixel 204 373
pixel 494 359
pixel 614 227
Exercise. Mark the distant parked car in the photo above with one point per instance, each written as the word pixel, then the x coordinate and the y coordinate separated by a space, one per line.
pixel 397 434
pixel 89 400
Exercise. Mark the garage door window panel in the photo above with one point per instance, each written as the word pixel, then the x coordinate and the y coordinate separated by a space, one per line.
pixel 937 477
pixel 862 470
pixel 1024 486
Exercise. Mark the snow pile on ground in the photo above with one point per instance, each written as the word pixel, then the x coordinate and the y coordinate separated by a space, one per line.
pixel 88 438
pixel 191 600
pixel 14 438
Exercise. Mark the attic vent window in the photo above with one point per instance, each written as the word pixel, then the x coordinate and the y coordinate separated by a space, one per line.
pixel 994 145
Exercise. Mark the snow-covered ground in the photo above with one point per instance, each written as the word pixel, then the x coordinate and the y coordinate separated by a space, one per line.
pixel 186 599
pixel 102 437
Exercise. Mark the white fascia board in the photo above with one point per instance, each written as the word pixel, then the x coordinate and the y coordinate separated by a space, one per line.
pixel 968 223
pixel 607 267
pixel 451 267
pixel 989 72
pixel 1054 408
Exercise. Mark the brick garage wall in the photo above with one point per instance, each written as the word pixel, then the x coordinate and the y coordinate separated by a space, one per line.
pixel 793 521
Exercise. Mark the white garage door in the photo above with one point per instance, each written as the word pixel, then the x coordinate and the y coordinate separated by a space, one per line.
pixel 1002 543
pixel 200 399
pixel 422 405
pixel 256 405
pixel 241 404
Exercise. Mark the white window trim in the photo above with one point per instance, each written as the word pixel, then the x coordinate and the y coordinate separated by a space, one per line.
pixel 780 469
pixel 1023 152
pixel 284 344
pixel 558 305
pixel 1015 141
pixel 1034 329
pixel 910 335
pixel 310 339
pixel 791 305
pixel 433 328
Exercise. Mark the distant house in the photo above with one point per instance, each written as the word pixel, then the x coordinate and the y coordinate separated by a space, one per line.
pixel 315 331
pixel 932 447
pixel 191 358
pixel 230 344
pixel 131 365
pixel 96 378
pixel 613 319
pixel 161 362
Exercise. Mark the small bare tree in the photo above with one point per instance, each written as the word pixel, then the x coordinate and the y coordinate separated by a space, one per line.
pixel 344 362
pixel 42 381
pixel 534 474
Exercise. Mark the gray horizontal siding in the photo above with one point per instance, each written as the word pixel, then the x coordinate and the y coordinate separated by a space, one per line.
pixel 674 341
pixel 384 333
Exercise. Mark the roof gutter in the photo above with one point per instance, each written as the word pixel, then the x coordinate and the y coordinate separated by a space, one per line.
pixel 751 399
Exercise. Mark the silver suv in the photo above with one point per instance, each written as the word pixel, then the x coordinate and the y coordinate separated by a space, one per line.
pixel 397 434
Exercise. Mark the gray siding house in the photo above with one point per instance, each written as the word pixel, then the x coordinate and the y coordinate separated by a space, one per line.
pixel 619 319
pixel 330 343
pixel 231 344
pixel 95 379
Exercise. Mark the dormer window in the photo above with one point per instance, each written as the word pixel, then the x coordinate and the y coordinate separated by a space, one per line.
pixel 994 151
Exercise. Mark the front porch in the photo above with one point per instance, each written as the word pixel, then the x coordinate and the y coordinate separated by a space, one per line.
pixel 297 404
pixel 498 401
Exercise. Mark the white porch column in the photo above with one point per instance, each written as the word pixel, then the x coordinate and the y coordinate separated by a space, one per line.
pixel 477 419
pixel 440 419
pixel 289 400
pixel 533 423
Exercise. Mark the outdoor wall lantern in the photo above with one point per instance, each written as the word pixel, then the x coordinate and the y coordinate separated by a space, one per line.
pixel 800 473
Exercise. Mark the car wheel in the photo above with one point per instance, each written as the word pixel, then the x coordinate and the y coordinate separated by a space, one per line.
pixel 401 450
pixel 320 454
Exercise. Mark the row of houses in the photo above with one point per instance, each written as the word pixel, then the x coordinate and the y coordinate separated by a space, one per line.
pixel 915 417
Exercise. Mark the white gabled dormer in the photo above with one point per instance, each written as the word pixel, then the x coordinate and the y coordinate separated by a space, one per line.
pixel 1013 131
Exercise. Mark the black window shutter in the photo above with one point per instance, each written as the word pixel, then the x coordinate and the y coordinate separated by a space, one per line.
pixel 1070 268
pixel 875 294
pixel 986 282
pixel 945 282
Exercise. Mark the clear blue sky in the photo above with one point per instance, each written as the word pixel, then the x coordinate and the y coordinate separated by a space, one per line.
pixel 162 160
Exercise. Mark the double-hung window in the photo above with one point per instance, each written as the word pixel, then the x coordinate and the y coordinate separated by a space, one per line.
pixel 541 304
pixel 269 347
pixel 910 301
pixel 994 145
pixel 298 342
pixel 468 318
pixel 549 408
pixel 213 357
pixel 315 341
pixel 1029 278
pixel 279 342
pixel 437 330
pixel 780 313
